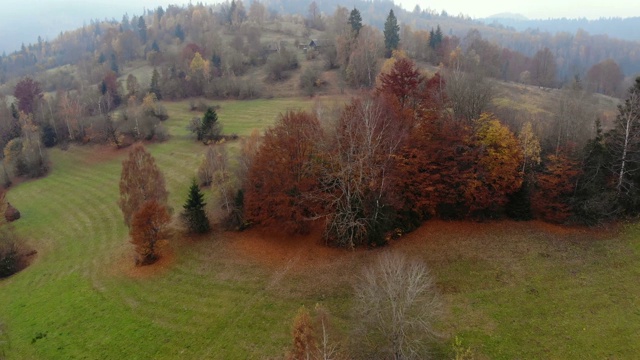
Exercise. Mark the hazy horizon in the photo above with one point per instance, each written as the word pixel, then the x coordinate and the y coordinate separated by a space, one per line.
pixel 55 16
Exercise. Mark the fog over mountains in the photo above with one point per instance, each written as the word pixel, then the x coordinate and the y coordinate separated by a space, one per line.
pixel 626 29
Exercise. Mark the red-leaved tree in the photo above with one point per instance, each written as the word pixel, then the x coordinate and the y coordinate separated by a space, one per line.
pixel 283 173
pixel 28 93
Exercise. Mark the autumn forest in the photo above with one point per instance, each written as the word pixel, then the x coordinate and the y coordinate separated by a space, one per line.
pixel 269 180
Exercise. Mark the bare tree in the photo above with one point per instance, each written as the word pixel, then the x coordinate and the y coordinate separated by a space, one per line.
pixel 574 118
pixel 396 304
pixel 356 181
pixel 467 88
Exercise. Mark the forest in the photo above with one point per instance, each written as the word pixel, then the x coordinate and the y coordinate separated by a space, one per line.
pixel 207 131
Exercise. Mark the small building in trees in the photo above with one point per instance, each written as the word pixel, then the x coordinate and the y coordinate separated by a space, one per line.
pixel 318 44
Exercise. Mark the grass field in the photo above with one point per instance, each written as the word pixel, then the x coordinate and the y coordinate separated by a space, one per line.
pixel 511 290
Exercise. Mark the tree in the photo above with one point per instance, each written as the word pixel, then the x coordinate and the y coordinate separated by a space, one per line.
pixel 133 87
pixel 140 181
pixel 596 200
pixel 283 174
pixel 391 33
pixel 469 91
pixel 194 215
pixel 355 20
pixel 401 82
pixel 623 141
pixel 573 121
pixel 257 12
pixel 530 147
pixel 155 84
pixel 357 186
pixel 397 305
pixel 207 129
pixel 142 30
pixel 304 340
pixel 26 155
pixel 148 230
pixel 179 33
pixel 362 64
pixel 555 187
pixel 28 93
pixel 496 171
pixel 543 70
pixel 606 78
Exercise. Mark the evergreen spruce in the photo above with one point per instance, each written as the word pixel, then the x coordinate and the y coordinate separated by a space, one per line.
pixel 210 129
pixel 355 20
pixel 391 33
pixel 194 214
pixel 155 84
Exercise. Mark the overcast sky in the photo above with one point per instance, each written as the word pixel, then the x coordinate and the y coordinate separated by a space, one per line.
pixel 538 9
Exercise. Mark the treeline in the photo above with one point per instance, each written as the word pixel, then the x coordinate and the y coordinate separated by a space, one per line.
pixel 402 154
pixel 106 114
pixel 615 27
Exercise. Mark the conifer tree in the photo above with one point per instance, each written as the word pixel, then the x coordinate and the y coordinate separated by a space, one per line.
pixel 355 20
pixel 391 33
pixel 194 215
pixel 155 84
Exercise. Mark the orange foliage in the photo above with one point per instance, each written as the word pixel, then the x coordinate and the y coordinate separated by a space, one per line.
pixel 304 341
pixel 148 229
pixel 282 173
pixel 140 181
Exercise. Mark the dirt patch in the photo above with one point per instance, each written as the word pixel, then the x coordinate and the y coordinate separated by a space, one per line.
pixel 271 248
pixel 123 262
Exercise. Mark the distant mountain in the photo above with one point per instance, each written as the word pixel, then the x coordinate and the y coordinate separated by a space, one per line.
pixel 508 16
pixel 625 29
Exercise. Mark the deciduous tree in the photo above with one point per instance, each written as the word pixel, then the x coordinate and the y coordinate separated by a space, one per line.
pixel 397 306
pixel 149 230
pixel 357 177
pixel 140 181
pixel 555 186
pixel 304 339
pixel 283 173
pixel 28 92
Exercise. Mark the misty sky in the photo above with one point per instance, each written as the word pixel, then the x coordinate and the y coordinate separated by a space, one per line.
pixel 21 21
pixel 539 9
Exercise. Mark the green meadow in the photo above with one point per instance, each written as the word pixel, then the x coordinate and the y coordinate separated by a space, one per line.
pixel 510 289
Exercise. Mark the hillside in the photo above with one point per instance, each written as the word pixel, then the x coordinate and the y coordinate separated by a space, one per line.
pixel 234 295
pixel 368 193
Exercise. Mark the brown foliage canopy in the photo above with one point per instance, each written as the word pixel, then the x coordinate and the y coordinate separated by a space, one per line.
pixel 140 181
pixel 28 93
pixel 148 229
pixel 554 188
pixel 283 173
